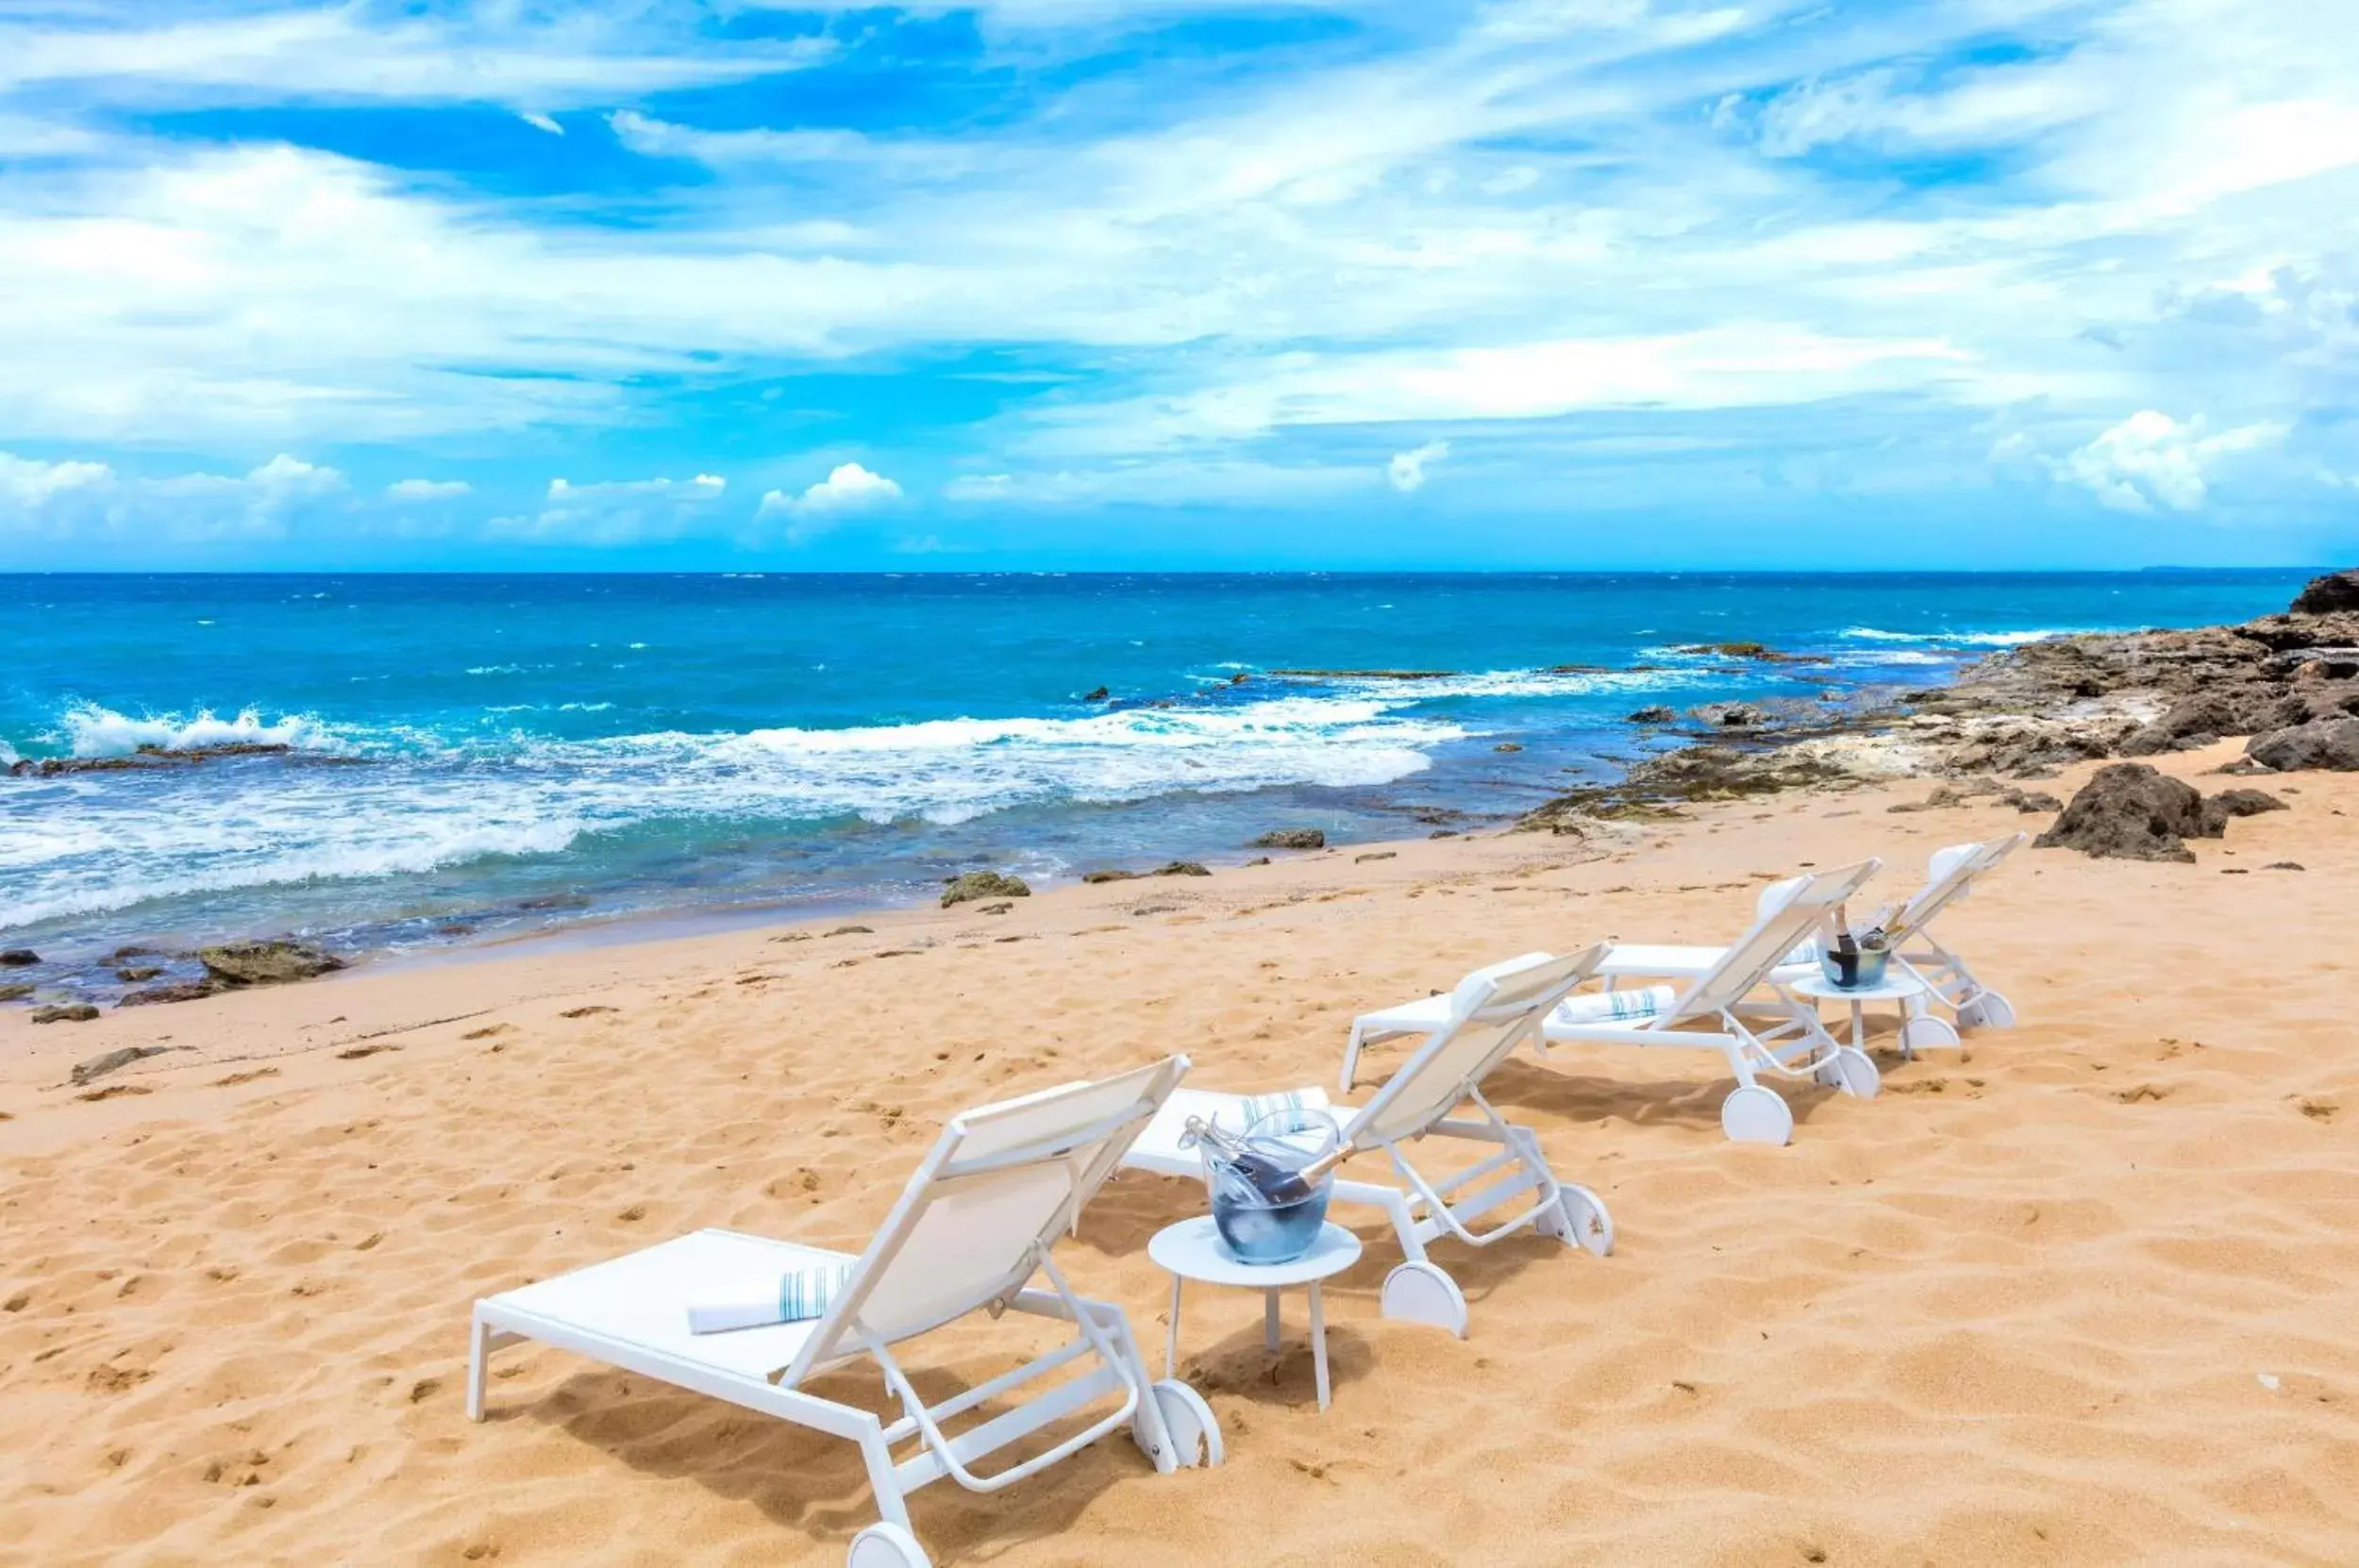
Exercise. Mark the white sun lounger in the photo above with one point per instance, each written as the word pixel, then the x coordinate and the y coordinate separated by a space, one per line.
pixel 1490 1013
pixel 1784 1039
pixel 1949 875
pixel 971 1229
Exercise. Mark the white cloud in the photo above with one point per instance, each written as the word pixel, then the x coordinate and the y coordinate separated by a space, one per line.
pixel 1406 471
pixel 614 512
pixel 28 483
pixel 540 122
pixel 2152 458
pixel 849 488
pixel 428 490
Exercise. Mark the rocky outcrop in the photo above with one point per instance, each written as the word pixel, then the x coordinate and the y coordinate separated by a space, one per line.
pixel 172 991
pixel 1097 694
pixel 2333 594
pixel 1759 652
pixel 1182 868
pixel 265 963
pixel 1653 713
pixel 99 1066
pixel 983 884
pixel 18 957
pixel 2129 811
pixel 66 1013
pixel 146 757
pixel 2326 743
pixel 1291 837
pixel 1729 715
pixel 16 991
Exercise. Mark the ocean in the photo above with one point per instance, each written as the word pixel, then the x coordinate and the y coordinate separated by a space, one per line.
pixel 475 757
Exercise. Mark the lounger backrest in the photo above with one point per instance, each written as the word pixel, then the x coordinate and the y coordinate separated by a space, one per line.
pixel 1949 875
pixel 1491 1014
pixel 1746 962
pixel 1002 1184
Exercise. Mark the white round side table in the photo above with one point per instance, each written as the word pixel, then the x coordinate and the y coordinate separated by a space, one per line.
pixel 1192 1250
pixel 1918 1027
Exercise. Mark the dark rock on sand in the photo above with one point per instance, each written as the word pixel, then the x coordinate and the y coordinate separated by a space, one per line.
pixel 1291 837
pixel 2326 595
pixel 1259 860
pixel 16 993
pixel 17 957
pixel 69 1012
pixel 2129 811
pixel 175 991
pixel 1653 713
pixel 2230 804
pixel 2328 743
pixel 983 884
pixel 1110 875
pixel 265 963
pixel 2204 718
pixel 99 1066
pixel 1182 868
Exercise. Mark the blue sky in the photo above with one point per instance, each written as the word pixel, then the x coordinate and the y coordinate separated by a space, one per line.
pixel 653 283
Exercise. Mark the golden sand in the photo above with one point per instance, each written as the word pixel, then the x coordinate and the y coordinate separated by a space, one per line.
pixel 2088 1294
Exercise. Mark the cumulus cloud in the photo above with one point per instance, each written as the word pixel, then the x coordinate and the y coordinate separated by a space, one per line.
pixel 540 122
pixel 428 490
pixel 2152 459
pixel 28 484
pixel 1406 472
pixel 615 512
pixel 849 488
pixel 91 501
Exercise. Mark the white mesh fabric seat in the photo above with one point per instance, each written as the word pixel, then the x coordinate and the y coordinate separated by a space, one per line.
pixel 972 1228
pixel 1488 1014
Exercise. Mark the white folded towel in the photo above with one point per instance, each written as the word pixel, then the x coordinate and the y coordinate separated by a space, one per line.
pixel 1252 1108
pixel 796 1296
pixel 1615 1007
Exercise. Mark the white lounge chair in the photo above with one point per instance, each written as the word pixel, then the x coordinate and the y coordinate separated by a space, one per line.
pixel 1490 1013
pixel 1949 875
pixel 1712 1014
pixel 971 1229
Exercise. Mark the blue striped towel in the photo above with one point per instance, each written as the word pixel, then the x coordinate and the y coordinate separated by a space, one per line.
pixel 1615 1006
pixel 799 1295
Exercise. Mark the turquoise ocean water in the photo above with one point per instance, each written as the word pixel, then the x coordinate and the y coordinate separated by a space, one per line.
pixel 483 755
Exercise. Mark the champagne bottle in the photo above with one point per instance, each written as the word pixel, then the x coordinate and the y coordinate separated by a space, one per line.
pixel 1277 1184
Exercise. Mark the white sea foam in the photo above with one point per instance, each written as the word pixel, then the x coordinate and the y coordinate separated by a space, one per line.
pixel 1968 639
pixel 91 730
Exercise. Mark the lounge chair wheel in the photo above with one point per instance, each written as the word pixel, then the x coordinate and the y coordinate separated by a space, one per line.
pixel 1752 1114
pixel 1854 1074
pixel 1580 1220
pixel 1417 1292
pixel 1195 1429
pixel 1927 1033
pixel 1989 1011
pixel 887 1546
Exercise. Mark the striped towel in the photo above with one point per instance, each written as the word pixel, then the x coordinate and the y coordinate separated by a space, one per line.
pixel 1252 1108
pixel 1615 1006
pixel 1805 951
pixel 798 1295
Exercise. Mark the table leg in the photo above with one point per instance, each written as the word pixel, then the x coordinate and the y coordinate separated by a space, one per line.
pixel 1171 1340
pixel 1318 1341
pixel 1858 1026
pixel 1269 1318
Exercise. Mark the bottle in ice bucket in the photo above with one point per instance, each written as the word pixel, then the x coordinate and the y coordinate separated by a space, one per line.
pixel 1270 1183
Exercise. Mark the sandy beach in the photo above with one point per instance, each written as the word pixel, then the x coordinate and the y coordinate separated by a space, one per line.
pixel 2082 1296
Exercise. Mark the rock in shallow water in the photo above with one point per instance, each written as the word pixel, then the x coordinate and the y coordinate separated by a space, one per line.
pixel 265 963
pixel 17 957
pixel 984 884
